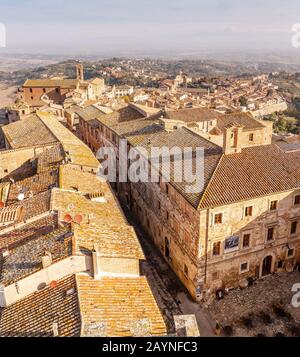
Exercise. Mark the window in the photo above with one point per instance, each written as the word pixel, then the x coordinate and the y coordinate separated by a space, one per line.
pixel 246 241
pixel 251 137
pixel 270 233
pixel 31 97
pixel 159 205
pixel 57 90
pixel 44 90
pixel 215 275
pixel 248 211
pixel 31 90
pixel 280 264
pixel 290 253
pixel 167 216
pixel 217 249
pixel 218 218
pixel 244 267
pixel 273 205
pixel 297 200
pixel 294 227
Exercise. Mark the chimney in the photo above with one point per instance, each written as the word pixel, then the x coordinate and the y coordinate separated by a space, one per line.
pixel 96 268
pixel 47 260
pixel 232 143
pixel 55 329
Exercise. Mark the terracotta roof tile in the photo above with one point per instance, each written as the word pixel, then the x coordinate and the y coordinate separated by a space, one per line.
pixel 26 258
pixel 26 232
pixel 254 172
pixel 112 241
pixel 28 132
pixel 33 185
pixel 118 307
pixel 74 149
pixel 34 315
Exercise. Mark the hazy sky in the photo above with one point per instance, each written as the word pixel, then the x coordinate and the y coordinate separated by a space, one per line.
pixel 148 25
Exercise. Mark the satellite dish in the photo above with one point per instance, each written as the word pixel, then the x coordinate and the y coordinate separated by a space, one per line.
pixel 78 218
pixel 21 197
pixel 70 207
pixel 68 218
pixel 53 284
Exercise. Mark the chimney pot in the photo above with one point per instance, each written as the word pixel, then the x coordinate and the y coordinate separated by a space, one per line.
pixel 55 329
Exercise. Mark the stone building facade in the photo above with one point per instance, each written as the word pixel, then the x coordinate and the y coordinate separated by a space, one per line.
pixel 243 224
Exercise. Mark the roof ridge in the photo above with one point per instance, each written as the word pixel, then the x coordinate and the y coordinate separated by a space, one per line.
pixel 210 181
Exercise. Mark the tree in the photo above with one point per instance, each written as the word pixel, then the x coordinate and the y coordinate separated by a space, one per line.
pixel 243 101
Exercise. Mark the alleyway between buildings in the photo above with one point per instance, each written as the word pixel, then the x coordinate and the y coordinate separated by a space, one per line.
pixel 171 296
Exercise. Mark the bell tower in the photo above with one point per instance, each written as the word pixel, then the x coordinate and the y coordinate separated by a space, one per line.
pixel 79 72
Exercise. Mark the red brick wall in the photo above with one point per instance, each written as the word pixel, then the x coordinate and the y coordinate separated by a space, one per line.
pixel 32 95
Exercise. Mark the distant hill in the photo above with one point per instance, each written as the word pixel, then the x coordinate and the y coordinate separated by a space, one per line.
pixel 194 68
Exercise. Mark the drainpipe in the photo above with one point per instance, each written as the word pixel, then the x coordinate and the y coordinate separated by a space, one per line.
pixel 206 245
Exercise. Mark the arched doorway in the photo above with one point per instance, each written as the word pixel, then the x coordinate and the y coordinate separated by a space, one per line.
pixel 267 265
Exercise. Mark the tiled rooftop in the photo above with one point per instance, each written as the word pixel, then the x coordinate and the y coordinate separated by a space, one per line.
pixel 112 241
pixel 191 115
pixel 254 172
pixel 118 307
pixel 76 204
pixel 132 130
pixel 35 205
pixel 26 258
pixel 50 157
pixel 33 185
pixel 34 315
pixel 244 119
pixel 28 132
pixel 43 83
pixel 125 306
pixel 122 115
pixel 89 113
pixel 287 144
pixel 28 231
pixel 75 149
pixel 84 182
pixel 182 138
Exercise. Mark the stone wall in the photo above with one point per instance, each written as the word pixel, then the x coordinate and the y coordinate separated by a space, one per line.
pixel 225 269
pixel 269 109
pixel 12 160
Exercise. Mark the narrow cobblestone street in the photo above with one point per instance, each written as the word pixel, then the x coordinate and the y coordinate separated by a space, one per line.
pixel 171 296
